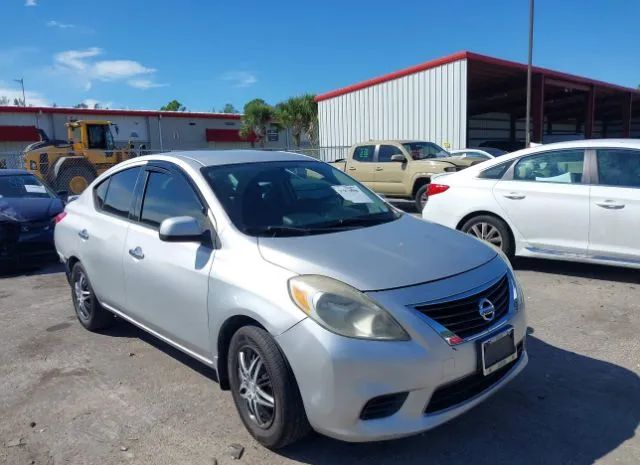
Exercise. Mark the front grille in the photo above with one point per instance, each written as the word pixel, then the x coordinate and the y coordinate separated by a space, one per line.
pixel 462 317
pixel 383 406
pixel 466 388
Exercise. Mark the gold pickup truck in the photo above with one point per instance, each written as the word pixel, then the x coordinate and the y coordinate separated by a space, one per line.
pixel 400 168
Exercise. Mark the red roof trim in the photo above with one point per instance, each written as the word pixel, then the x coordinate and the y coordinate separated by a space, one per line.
pixel 227 135
pixel 92 111
pixel 19 134
pixel 468 56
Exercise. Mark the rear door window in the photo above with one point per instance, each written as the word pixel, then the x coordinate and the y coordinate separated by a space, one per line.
pixel 364 153
pixel 617 167
pixel 119 193
pixel 562 166
pixel 168 196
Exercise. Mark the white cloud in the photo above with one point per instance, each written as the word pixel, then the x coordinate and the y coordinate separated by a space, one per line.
pixel 54 23
pixel 35 99
pixel 30 3
pixel 240 78
pixel 144 84
pixel 130 71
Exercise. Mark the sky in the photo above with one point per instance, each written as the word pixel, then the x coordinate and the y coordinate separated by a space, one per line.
pixel 141 54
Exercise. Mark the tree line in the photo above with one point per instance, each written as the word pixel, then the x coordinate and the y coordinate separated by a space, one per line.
pixel 298 114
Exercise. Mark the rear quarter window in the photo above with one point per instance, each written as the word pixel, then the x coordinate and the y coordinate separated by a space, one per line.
pixel 495 172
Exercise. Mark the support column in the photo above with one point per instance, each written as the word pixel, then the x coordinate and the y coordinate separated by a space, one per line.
pixel 626 114
pixel 537 107
pixel 589 113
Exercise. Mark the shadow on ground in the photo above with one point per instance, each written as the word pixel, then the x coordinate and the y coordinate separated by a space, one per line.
pixel 22 269
pixel 579 270
pixel 563 409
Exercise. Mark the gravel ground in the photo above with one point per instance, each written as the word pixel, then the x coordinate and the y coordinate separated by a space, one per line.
pixel 70 396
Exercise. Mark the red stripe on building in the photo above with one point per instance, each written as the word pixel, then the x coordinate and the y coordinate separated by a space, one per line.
pixel 227 135
pixel 103 112
pixel 19 134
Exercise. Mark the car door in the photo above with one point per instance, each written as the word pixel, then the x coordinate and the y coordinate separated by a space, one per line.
pixel 103 231
pixel 546 200
pixel 166 283
pixel 362 166
pixel 389 175
pixel 615 206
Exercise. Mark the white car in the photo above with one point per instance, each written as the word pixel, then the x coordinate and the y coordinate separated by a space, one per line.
pixel 577 201
pixel 472 153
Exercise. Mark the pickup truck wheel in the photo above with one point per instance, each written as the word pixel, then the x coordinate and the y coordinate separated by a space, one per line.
pixel 88 310
pixel 264 389
pixel 421 198
pixel 492 230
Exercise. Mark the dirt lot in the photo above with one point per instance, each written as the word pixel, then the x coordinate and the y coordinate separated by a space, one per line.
pixel 69 396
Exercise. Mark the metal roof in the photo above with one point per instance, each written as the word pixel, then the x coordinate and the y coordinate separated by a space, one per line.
pixel 474 57
pixel 105 112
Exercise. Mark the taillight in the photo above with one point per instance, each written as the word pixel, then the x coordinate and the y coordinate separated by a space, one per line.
pixel 434 189
pixel 59 217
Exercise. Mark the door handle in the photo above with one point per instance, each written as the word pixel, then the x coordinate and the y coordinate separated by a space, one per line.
pixel 136 253
pixel 610 205
pixel 515 196
pixel 83 234
pixel 352 168
pixel 378 168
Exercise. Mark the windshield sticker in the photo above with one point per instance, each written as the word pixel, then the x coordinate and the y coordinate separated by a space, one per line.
pixel 32 189
pixel 352 193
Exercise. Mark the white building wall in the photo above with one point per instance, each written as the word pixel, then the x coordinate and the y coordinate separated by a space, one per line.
pixel 428 105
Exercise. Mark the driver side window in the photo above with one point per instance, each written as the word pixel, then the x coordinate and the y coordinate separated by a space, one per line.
pixel 168 196
pixel 386 152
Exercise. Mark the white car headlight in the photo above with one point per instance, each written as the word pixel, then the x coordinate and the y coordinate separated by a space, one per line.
pixel 343 310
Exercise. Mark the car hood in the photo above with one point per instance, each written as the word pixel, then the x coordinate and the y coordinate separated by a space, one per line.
pixel 29 209
pixel 400 253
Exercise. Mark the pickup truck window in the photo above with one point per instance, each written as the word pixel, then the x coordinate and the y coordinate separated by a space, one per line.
pixel 364 153
pixel 385 152
pixel 425 150
pixel 293 198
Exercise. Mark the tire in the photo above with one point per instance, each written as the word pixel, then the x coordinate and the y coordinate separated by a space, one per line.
pixel 286 421
pixel 89 312
pixel 421 198
pixel 492 230
pixel 74 179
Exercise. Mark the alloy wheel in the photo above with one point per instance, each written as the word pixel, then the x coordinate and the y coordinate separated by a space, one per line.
pixel 83 295
pixel 255 387
pixel 486 232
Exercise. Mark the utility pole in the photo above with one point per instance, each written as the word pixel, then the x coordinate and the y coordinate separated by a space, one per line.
pixel 528 116
pixel 24 99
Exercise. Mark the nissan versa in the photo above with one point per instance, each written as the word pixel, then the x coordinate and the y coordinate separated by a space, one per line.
pixel 318 304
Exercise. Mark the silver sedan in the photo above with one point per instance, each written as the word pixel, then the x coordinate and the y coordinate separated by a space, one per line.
pixel 318 304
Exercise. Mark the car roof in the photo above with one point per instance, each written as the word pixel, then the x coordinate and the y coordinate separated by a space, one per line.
pixel 392 141
pixel 13 172
pixel 200 158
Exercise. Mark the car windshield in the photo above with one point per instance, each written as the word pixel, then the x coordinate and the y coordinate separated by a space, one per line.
pixel 23 186
pixel 424 150
pixel 291 198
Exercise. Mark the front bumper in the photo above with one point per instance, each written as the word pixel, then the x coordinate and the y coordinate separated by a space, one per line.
pixel 337 376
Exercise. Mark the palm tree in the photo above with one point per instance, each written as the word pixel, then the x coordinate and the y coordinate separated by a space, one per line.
pixel 258 116
pixel 300 116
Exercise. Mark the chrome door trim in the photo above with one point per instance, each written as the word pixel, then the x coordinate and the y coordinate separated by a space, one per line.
pixel 163 338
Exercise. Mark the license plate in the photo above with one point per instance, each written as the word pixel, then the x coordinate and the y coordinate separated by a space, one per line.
pixel 498 351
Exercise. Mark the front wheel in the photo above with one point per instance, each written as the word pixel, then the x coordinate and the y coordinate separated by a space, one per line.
pixel 421 198
pixel 492 230
pixel 264 389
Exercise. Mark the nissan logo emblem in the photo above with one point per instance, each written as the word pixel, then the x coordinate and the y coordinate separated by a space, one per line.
pixel 486 309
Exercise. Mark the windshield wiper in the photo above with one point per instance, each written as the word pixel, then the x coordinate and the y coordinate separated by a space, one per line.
pixel 279 230
pixel 354 221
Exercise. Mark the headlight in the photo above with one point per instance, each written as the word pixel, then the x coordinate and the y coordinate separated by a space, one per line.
pixel 518 296
pixel 343 310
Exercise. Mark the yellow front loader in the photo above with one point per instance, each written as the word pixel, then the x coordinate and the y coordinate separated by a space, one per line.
pixel 71 165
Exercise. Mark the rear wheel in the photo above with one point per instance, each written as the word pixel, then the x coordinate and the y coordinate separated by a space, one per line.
pixel 88 310
pixel 264 389
pixel 74 179
pixel 421 198
pixel 492 230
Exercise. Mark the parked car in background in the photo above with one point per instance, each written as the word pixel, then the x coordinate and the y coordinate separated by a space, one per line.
pixel 576 201
pixel 318 304
pixel 399 168
pixel 473 154
pixel 28 209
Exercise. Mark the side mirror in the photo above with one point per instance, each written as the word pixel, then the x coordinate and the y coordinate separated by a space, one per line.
pixel 63 195
pixel 398 157
pixel 181 229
